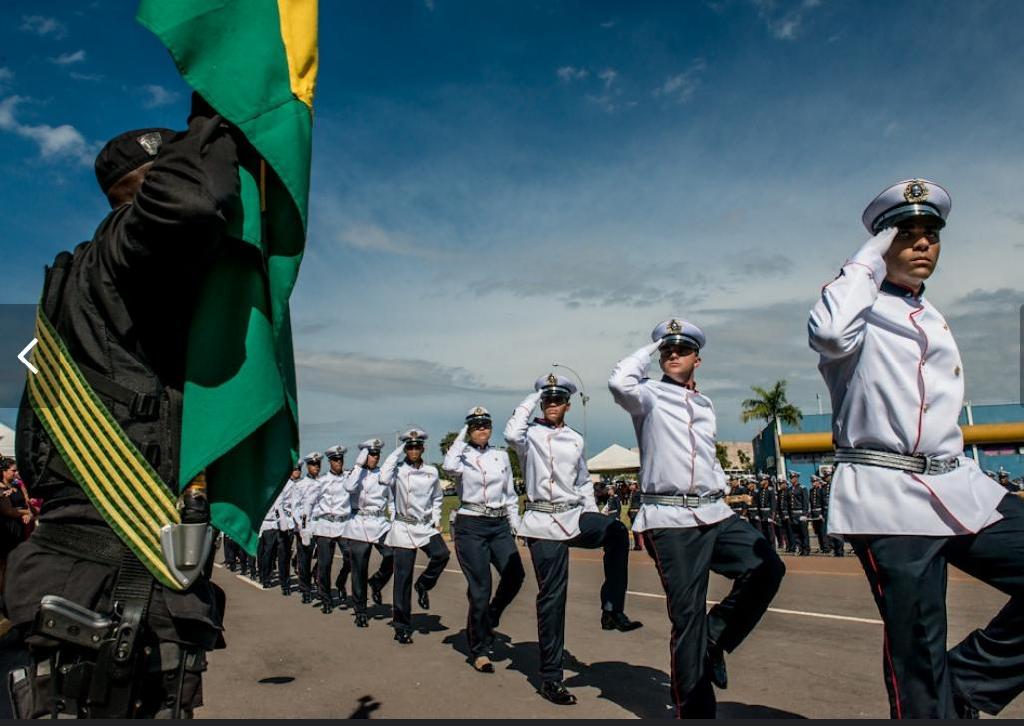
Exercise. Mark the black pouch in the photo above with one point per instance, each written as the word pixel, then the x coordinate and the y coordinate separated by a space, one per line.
pixel 30 690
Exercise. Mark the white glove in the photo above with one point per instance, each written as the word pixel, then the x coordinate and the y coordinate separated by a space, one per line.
pixel 361 459
pixel 463 434
pixel 877 245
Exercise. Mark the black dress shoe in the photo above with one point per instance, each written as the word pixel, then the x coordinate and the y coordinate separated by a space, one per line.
pixel 556 692
pixel 422 598
pixel 286 591
pixel 715 663
pixel 325 607
pixel 362 621
pixel 306 598
pixel 403 636
pixel 375 595
pixel 494 616
pixel 618 621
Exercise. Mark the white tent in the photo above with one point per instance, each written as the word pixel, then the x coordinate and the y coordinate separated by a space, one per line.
pixel 614 458
pixel 6 440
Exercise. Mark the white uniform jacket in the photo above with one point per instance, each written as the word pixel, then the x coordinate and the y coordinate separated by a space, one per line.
pixel 307 491
pixel 285 505
pixel 270 519
pixel 896 379
pixel 333 507
pixel 554 470
pixel 676 430
pixel 483 476
pixel 416 493
pixel 371 500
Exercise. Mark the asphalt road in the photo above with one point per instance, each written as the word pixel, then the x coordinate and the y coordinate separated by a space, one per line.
pixel 817 653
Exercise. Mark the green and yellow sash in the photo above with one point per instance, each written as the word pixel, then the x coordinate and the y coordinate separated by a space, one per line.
pixel 108 467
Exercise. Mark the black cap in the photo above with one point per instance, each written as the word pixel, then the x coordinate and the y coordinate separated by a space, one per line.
pixel 127 152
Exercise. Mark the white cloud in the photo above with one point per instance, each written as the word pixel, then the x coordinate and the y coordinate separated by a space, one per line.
pixel 371 238
pixel 429 5
pixel 6 74
pixel 681 86
pixel 157 96
pixel 54 142
pixel 85 76
pixel 608 76
pixel 42 25
pixel 355 375
pixel 67 59
pixel 567 74
pixel 784 18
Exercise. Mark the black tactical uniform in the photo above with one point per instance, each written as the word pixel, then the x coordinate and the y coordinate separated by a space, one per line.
pixel 817 514
pixel 764 505
pixel 836 543
pixel 122 305
pixel 799 505
pixel 783 527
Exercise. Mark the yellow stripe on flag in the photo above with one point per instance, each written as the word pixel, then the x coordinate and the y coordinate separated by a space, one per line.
pixel 298 31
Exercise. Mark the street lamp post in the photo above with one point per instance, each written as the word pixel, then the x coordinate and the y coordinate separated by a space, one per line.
pixel 583 397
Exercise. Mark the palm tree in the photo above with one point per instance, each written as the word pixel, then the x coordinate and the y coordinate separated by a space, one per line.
pixel 771 405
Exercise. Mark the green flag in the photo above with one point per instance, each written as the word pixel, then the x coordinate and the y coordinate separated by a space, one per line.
pixel 255 62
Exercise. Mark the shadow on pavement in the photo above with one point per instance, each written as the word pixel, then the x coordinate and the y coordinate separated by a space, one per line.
pixel 731 709
pixel 367 705
pixel 427 623
pixel 276 680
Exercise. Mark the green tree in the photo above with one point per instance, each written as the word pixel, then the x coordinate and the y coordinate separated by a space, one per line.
pixel 447 441
pixel 770 405
pixel 744 459
pixel 723 455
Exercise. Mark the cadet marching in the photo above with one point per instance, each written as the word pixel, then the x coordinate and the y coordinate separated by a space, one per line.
pixel 901 488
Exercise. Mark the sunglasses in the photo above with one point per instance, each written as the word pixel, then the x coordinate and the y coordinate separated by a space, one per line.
pixel 554 401
pixel 373 452
pixel 680 350
pixel 479 426
pixel 413 446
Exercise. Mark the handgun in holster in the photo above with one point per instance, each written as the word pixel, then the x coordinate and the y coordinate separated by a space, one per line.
pixel 93 669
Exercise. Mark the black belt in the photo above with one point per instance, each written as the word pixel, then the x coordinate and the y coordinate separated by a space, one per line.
pixel 96 543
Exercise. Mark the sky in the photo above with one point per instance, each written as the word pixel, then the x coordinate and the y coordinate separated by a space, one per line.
pixel 500 186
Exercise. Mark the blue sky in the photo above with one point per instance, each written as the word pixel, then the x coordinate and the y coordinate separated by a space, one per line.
pixel 498 186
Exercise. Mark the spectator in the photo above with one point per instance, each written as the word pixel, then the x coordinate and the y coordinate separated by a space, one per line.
pixel 16 515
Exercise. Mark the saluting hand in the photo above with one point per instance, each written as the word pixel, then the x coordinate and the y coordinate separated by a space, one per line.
pixel 361 459
pixel 879 244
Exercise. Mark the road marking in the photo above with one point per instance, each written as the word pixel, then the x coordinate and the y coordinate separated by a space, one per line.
pixel 243 578
pixel 660 596
pixel 779 611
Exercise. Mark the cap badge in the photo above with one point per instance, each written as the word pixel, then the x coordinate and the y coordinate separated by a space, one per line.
pixel 552 381
pixel 674 327
pixel 915 191
pixel 377 443
pixel 478 411
pixel 150 142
